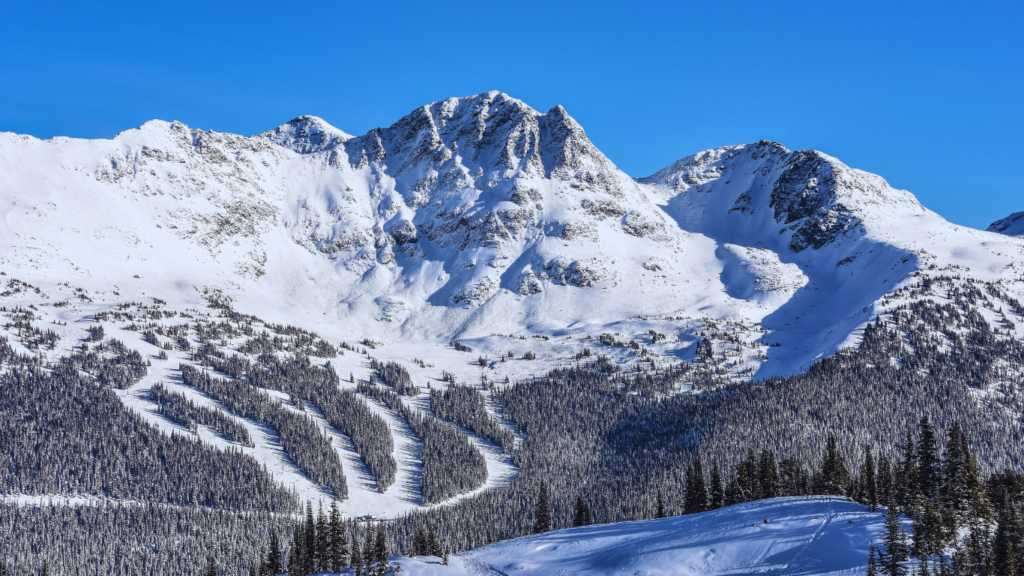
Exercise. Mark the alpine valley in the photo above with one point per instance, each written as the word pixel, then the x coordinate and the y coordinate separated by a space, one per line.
pixel 306 351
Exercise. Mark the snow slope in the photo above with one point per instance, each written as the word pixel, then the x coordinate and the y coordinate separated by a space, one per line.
pixel 829 240
pixel 1012 225
pixel 818 536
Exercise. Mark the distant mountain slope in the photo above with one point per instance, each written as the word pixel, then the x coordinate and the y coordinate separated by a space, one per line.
pixel 478 216
pixel 1012 225
pixel 831 240
pixel 803 536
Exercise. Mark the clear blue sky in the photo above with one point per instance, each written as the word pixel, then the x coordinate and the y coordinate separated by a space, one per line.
pixel 928 95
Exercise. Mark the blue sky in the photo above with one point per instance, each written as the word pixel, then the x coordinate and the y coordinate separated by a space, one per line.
pixel 928 95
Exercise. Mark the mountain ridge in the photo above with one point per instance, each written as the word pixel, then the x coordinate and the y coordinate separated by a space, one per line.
pixel 1012 225
pixel 476 215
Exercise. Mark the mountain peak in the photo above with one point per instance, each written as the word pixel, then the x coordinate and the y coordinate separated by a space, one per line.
pixel 306 135
pixel 1012 225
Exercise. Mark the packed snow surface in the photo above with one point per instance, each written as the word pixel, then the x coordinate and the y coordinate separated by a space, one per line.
pixel 823 535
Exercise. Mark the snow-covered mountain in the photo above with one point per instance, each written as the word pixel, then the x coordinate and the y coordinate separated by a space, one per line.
pixel 1012 225
pixel 293 265
pixel 479 216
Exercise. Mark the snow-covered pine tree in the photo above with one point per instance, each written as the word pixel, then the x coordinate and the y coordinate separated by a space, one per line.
pixel 868 488
pixel 380 553
pixel 338 540
pixel 928 473
pixel 893 559
pixel 746 476
pixel 433 548
pixel 369 546
pixel 768 473
pixel 884 481
pixel 295 553
pixel 274 565
pixel 716 492
pixel 309 551
pixel 357 558
pixel 1008 537
pixel 928 536
pixel 323 542
pixel 833 477
pixel 907 487
pixel 700 490
pixel 419 543
pixel 542 514
pixel 579 518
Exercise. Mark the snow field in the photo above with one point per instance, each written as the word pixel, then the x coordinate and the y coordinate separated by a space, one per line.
pixel 817 536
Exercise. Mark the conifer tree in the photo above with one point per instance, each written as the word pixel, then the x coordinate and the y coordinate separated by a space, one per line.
pixel 928 530
pixel 980 509
pixel 542 515
pixel 833 477
pixel 3 569
pixel 419 543
pixel 432 544
pixel 295 553
pixel 660 512
pixel 955 502
pixel 338 540
pixel 696 499
pixel 580 518
pixel 746 476
pixel 323 542
pixel 907 488
pixel 716 492
pixel 733 492
pixel 896 552
pixel 369 547
pixel 872 562
pixel 884 482
pixel 357 558
pixel 380 553
pixel 261 567
pixel 928 473
pixel 273 563
pixel 791 478
pixel 309 551
pixel 768 472
pixel 211 567
pixel 1007 539
pixel 46 569
pixel 867 482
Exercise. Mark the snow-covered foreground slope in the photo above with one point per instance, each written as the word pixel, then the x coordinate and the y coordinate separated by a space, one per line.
pixel 1012 225
pixel 803 536
pixel 478 216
